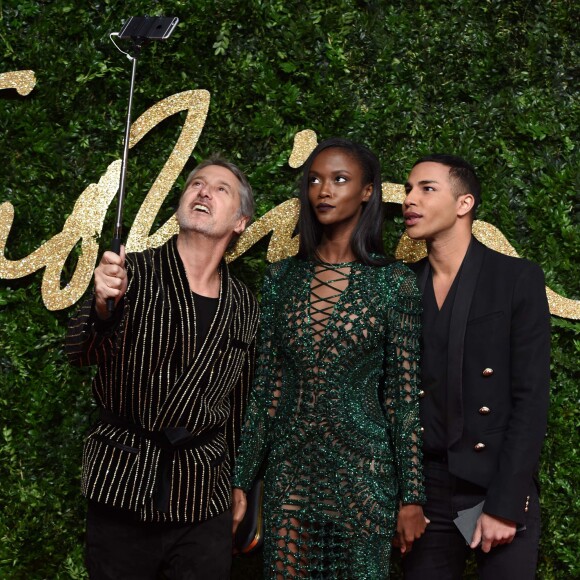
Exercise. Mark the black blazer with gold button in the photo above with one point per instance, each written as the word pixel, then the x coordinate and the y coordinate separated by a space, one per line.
pixel 171 406
pixel 498 376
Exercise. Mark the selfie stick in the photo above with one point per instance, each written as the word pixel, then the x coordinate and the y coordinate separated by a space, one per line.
pixel 141 30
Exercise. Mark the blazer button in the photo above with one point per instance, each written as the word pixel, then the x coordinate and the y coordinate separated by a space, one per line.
pixel 421 393
pixel 479 447
pixel 487 372
pixel 527 504
pixel 484 411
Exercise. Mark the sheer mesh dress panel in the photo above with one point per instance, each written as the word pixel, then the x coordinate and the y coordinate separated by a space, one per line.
pixel 334 410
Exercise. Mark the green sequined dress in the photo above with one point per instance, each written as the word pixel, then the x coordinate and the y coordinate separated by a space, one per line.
pixel 334 412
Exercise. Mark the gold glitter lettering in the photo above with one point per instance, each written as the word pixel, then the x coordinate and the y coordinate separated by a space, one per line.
pixel 196 103
pixel 86 220
pixel 21 80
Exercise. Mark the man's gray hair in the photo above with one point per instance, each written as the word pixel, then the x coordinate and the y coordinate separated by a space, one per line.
pixel 246 195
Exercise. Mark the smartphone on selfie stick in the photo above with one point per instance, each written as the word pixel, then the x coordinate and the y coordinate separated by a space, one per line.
pixel 140 30
pixel 149 27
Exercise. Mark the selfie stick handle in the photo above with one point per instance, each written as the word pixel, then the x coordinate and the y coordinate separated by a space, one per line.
pixel 116 243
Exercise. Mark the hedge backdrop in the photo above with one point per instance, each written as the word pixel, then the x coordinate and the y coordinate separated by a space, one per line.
pixel 495 81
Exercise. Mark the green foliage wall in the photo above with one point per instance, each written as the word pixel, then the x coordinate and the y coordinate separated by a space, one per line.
pixel 495 81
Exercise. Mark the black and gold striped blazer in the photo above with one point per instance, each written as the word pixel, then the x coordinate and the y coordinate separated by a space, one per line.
pixel 171 409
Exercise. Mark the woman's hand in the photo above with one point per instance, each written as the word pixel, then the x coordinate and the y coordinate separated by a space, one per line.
pixel 411 524
pixel 239 505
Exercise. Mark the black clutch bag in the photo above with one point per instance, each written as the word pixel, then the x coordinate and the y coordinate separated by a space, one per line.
pixel 249 536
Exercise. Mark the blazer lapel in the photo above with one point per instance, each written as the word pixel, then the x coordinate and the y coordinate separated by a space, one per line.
pixel 465 289
pixel 422 270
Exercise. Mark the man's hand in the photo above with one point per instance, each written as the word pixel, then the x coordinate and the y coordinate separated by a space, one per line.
pixel 492 531
pixel 110 281
pixel 411 524
pixel 239 505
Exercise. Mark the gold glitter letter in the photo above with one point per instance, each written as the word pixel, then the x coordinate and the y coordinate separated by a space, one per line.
pixel 86 220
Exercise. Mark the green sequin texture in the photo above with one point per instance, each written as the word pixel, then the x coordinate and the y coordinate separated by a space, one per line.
pixel 336 416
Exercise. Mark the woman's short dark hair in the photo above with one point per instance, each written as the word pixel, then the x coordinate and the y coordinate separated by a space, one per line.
pixel 367 238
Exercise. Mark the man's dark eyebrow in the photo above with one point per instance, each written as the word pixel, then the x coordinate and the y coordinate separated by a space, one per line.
pixel 409 187
pixel 422 182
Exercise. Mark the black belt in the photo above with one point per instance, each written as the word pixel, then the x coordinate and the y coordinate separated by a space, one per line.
pixel 168 440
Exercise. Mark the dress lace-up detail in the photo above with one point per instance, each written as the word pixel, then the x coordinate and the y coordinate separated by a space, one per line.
pixel 328 284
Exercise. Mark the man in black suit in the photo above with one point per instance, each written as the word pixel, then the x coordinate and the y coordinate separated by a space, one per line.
pixel 174 363
pixel 485 384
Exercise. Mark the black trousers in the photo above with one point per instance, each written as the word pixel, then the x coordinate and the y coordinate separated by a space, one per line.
pixel 118 548
pixel 441 553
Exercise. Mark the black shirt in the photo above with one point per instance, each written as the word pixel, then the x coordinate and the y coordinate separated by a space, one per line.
pixel 205 309
pixel 434 367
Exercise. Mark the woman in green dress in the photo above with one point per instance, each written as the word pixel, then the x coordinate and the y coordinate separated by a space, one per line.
pixel 334 409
